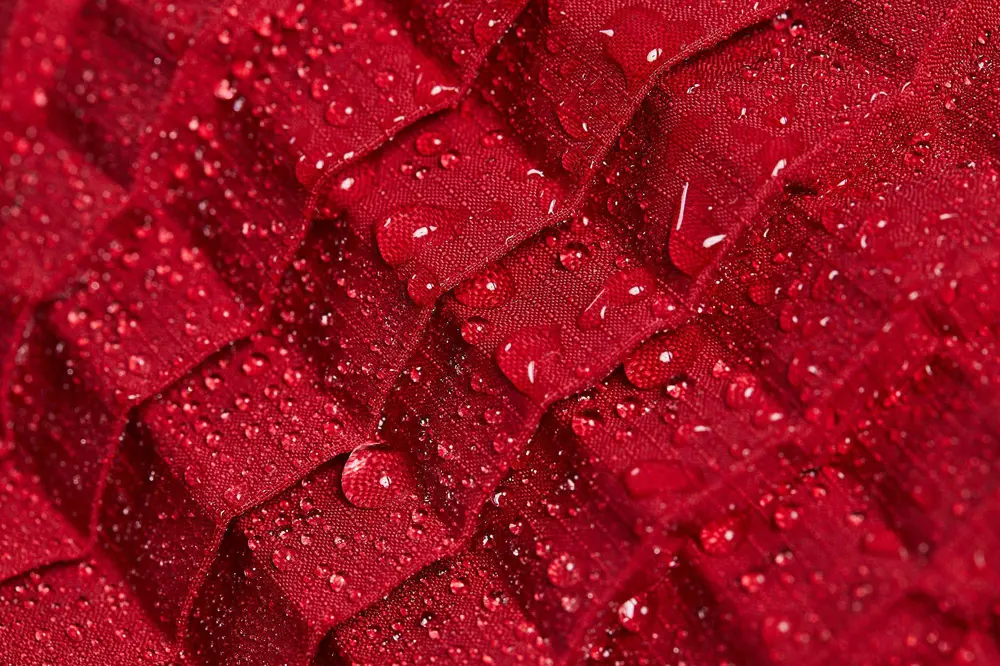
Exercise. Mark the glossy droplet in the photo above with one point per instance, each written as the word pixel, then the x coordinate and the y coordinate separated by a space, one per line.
pixel 664 357
pixel 722 536
pixel 619 290
pixel 573 256
pixel 339 112
pixel 573 120
pixel 655 477
pixel 741 391
pixel 404 233
pixel 486 28
pixel 375 475
pixel 255 364
pixel 422 287
pixel 431 87
pixel 586 422
pixel 641 40
pixel 282 558
pixel 474 330
pixel 695 234
pixel 633 613
pixel 489 289
pixel 337 582
pixel 563 571
pixel 525 357
pixel 429 143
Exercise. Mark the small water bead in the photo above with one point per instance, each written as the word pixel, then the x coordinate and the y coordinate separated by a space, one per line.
pixel 573 120
pixel 633 613
pixel 339 112
pixel 722 536
pixel 431 87
pixel 586 422
pixel 628 407
pixel 422 288
pixel 564 572
pixel 282 558
pixel 741 392
pixel 256 364
pixel 621 289
pixel 695 235
pixel 493 600
pixel 430 143
pixel 337 582
pixel 74 633
pixel 375 475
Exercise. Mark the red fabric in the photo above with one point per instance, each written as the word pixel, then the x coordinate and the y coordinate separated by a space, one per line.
pixel 422 331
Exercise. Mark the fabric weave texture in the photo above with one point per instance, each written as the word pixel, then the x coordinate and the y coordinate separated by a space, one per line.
pixel 606 332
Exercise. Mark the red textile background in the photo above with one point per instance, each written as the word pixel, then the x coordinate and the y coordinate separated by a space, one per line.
pixel 499 332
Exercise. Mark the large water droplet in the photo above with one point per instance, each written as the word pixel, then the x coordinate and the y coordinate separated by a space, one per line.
pixel 404 233
pixel 525 358
pixel 375 475
pixel 624 288
pixel 695 234
pixel 489 289
pixel 664 356
pixel 641 40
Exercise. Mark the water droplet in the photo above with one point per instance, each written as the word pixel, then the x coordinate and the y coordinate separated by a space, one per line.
pixel 525 356
pixel 337 582
pixel 573 120
pixel 641 40
pixel 563 571
pixel 624 288
pixel 422 288
pixel 741 391
pixel 375 475
pixel 664 357
pixel 282 558
pixel 633 613
pixel 653 478
pixel 429 143
pixel 722 536
pixel 340 111
pixel 586 422
pixel 489 289
pixel 474 330
pixel 255 364
pixel 431 87
pixel 695 237
pixel 573 256
pixel 404 233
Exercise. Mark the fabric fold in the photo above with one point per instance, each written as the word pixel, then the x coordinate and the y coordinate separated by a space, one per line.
pixel 738 406
pixel 454 144
pixel 131 333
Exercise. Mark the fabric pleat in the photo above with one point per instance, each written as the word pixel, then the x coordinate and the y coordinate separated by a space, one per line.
pixel 499 332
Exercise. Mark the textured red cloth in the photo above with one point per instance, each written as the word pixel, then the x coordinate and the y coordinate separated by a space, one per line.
pixel 500 332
